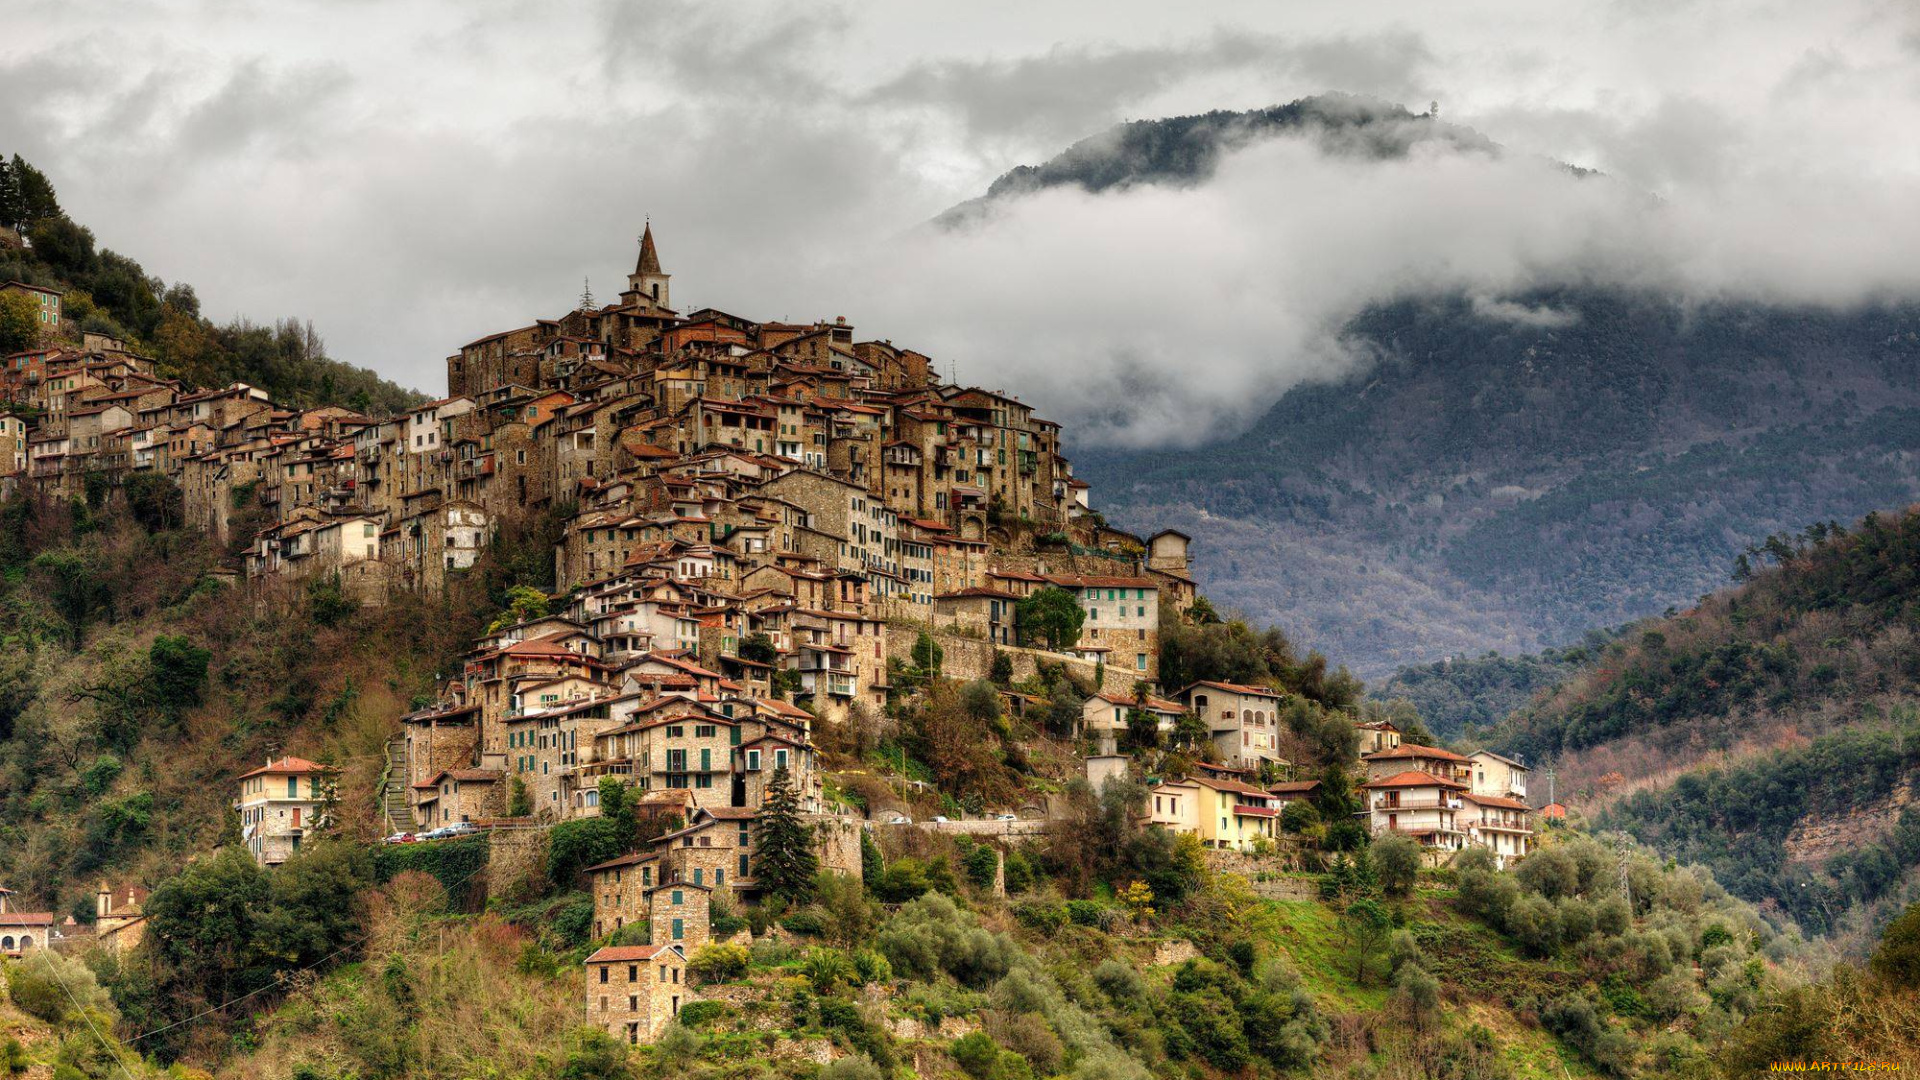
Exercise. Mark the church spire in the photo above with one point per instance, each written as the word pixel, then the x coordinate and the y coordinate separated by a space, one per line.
pixel 649 258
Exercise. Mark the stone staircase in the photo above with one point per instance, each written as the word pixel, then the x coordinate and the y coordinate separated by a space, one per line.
pixel 396 808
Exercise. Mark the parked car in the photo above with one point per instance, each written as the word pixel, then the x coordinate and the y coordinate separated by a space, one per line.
pixel 400 838
pixel 1005 817
pixel 939 820
pixel 459 828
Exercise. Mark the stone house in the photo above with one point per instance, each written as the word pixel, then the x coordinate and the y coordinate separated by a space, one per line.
pixel 1377 736
pixel 280 804
pixel 677 913
pixel 1243 721
pixel 455 795
pixel 119 923
pixel 977 611
pixel 619 887
pixel 1123 617
pixel 633 991
pixel 1103 718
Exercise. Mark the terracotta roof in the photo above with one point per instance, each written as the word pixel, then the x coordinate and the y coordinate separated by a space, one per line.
pixel 977 591
pixel 1409 750
pixel 1293 787
pixel 634 859
pixel 1230 785
pixel 1235 688
pixel 1415 779
pixel 1498 801
pixel 288 766
pixel 1100 582
pixel 1160 704
pixel 26 918
pixel 622 954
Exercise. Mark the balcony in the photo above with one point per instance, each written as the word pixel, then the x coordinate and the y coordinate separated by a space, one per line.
pixel 1518 828
pixel 1416 804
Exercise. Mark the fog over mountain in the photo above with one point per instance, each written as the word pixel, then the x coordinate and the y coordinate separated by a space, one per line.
pixel 1456 397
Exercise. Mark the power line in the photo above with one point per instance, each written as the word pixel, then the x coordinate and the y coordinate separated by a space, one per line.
pixel 280 978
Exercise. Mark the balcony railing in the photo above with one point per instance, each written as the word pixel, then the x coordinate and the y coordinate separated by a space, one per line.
pixel 1416 804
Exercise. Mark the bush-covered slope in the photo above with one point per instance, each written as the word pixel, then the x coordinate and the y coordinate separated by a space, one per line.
pixel 135 684
pixel 110 293
pixel 1769 732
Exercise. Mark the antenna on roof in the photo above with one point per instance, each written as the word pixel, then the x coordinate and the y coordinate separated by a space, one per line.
pixel 586 295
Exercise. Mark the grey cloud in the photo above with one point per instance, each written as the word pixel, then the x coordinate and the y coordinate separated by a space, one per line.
pixel 1067 91
pixel 1539 316
pixel 460 169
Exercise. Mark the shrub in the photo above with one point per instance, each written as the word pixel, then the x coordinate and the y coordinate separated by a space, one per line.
pixel 720 962
pixel 976 1054
pixel 1122 984
pixel 980 865
pixel 1551 872
pixel 1028 1035
pixel 803 922
pixel 1535 924
pixel 904 880
pixel 56 988
pixel 695 1014
pixel 595 1056
pixel 1898 956
pixel 1396 863
pixel 1086 913
pixel 1418 993
pixel 852 1067
pixel 1048 918
pixel 572 925
pixel 826 969
pixel 870 967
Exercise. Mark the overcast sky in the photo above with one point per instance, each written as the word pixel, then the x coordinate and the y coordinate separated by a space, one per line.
pixel 415 175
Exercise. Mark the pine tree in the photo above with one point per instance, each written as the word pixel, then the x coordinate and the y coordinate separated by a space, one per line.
pixel 783 844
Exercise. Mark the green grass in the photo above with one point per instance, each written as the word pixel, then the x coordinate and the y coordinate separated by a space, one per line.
pixel 1309 934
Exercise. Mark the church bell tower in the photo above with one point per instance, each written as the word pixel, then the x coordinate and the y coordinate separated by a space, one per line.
pixel 648 282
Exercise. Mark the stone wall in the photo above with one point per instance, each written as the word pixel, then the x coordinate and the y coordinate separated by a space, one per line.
pixel 837 842
pixel 516 861
pixel 1265 874
pixel 972 658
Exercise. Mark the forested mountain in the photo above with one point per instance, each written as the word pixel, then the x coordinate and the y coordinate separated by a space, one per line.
pixel 1488 483
pixel 1460 692
pixel 110 293
pixel 1768 733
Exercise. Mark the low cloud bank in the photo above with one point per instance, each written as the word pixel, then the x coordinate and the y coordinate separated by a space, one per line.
pixel 1157 315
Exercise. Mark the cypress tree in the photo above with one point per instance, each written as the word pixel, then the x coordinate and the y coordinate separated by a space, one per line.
pixel 783 845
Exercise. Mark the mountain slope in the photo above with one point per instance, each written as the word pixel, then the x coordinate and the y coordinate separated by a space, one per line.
pixel 1506 476
pixel 1768 733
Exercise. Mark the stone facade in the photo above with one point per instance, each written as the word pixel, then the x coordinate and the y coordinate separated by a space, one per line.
pixel 633 991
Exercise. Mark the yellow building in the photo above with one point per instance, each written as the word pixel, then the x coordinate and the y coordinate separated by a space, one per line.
pixel 1224 814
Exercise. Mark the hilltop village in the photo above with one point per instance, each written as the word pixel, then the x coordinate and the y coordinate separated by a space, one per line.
pixel 762 525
